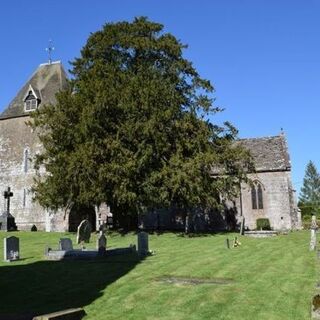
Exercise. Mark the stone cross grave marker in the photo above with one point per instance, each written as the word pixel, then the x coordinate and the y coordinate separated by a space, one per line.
pixel 313 228
pixel 7 195
pixel 11 249
pixel 7 222
pixel 102 244
pixel 143 244
pixel 84 231
pixel 65 244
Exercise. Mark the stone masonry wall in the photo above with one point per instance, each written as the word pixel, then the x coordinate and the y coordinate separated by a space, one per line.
pixel 278 201
pixel 17 144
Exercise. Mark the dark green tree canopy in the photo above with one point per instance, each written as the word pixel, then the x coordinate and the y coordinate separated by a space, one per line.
pixel 133 128
pixel 309 200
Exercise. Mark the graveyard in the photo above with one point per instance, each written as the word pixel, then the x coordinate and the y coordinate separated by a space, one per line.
pixel 185 278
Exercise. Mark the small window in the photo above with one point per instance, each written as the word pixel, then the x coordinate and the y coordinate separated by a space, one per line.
pixel 24 198
pixel 25 160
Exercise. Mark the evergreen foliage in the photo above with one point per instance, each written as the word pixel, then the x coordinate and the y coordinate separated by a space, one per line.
pixel 132 130
pixel 263 224
pixel 309 200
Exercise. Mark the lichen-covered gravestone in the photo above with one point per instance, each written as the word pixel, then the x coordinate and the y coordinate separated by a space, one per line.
pixel 65 244
pixel 313 228
pixel 84 231
pixel 11 249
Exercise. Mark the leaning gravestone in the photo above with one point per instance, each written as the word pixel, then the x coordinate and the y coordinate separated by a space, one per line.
pixel 102 244
pixel 11 249
pixel 65 244
pixel 84 232
pixel 143 244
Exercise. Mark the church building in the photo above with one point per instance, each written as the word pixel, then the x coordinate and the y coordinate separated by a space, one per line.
pixel 270 196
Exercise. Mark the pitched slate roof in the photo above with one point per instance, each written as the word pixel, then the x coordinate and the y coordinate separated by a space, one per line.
pixel 46 81
pixel 268 153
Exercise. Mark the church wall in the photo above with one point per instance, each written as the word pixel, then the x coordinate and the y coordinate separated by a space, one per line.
pixel 277 201
pixel 18 142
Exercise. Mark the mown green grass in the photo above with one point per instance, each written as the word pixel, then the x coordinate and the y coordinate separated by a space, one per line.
pixel 274 278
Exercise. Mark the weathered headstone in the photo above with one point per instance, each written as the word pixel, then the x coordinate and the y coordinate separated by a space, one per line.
pixel 102 244
pixel 242 226
pixel 65 244
pixel 143 244
pixel 84 231
pixel 7 222
pixel 313 229
pixel 11 249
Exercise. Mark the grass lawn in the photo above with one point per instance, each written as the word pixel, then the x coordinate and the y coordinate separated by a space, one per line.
pixel 273 278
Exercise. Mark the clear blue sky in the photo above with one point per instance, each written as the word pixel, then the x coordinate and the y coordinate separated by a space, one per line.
pixel 263 57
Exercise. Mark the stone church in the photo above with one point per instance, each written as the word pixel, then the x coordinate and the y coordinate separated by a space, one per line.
pixel 270 196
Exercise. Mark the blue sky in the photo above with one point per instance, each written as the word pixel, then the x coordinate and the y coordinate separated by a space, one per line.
pixel 263 57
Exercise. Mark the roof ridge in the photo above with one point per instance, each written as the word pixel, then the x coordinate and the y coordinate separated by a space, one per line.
pixel 259 138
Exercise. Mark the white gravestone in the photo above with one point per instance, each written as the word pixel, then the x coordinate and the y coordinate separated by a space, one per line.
pixel 313 228
pixel 11 249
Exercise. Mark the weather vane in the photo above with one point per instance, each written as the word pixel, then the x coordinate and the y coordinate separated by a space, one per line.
pixel 49 50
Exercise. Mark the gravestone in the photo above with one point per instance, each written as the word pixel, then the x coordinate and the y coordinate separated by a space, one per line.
pixel 7 222
pixel 84 231
pixel 65 244
pixel 143 244
pixel 227 244
pixel 102 244
pixel 11 249
pixel 313 229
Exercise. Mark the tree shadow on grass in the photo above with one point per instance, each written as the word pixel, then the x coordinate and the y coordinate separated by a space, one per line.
pixel 48 286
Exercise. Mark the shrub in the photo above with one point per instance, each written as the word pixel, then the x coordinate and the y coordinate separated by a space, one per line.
pixel 263 224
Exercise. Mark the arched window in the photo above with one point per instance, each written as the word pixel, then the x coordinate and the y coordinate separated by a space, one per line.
pixel 260 197
pixel 24 199
pixel 25 160
pixel 257 196
pixel 254 197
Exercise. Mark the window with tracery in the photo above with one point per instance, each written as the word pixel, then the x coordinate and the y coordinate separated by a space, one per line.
pixel 257 196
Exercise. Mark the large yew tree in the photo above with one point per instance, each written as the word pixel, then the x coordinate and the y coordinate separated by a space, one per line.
pixel 133 129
